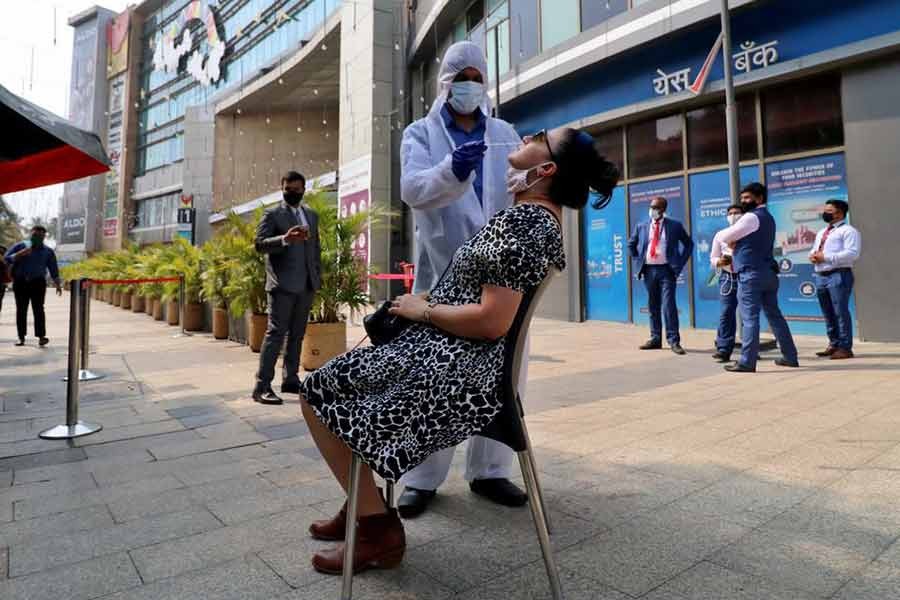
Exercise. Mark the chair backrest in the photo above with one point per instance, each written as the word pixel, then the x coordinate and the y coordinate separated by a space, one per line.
pixel 507 425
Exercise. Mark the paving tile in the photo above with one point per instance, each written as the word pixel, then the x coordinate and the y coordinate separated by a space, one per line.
pixel 139 444
pixel 107 474
pixel 293 562
pixel 47 505
pixel 708 581
pixel 806 564
pixel 29 530
pixel 184 498
pixel 531 583
pixel 175 557
pixel 61 549
pixel 878 581
pixel 129 432
pixel 81 581
pixel 868 537
pixel 246 578
pixel 198 446
pixel 236 510
pixel 403 583
pixel 6 511
pixel 745 499
pixel 41 459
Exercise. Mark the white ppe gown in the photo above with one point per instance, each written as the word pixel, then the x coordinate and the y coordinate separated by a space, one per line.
pixel 448 213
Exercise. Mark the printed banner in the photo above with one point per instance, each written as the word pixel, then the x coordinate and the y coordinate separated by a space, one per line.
pixel 798 190
pixel 709 207
pixel 117 44
pixel 606 260
pixel 639 196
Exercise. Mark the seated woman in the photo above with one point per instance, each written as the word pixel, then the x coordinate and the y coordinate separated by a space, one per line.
pixel 437 383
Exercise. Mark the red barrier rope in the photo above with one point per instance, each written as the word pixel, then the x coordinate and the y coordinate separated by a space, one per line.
pixel 131 281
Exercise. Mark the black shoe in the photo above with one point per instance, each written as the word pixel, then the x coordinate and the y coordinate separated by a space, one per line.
pixel 651 345
pixel 739 368
pixel 267 397
pixel 290 388
pixel 783 362
pixel 20 343
pixel 677 349
pixel 43 342
pixel 413 502
pixel 499 491
pixel 721 357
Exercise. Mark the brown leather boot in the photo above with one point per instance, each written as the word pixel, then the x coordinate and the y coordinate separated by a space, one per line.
pixel 335 528
pixel 380 544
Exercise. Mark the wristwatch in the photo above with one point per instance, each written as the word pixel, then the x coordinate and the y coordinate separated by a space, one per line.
pixel 427 314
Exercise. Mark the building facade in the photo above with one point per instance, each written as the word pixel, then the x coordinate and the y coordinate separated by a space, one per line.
pixel 818 118
pixel 209 102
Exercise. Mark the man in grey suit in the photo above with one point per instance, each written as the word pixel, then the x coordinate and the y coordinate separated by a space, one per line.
pixel 288 235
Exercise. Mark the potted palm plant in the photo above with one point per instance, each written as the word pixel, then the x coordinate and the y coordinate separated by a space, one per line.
pixel 214 257
pixel 183 261
pixel 344 282
pixel 245 290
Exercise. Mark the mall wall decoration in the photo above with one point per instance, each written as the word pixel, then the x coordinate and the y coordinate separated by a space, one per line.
pixel 173 51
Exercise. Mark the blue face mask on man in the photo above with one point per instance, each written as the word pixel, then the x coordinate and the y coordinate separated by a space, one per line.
pixel 466 96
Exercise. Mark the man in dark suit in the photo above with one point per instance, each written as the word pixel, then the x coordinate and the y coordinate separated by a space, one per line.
pixel 288 235
pixel 660 248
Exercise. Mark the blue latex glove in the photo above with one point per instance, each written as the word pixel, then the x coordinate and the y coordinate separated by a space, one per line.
pixel 466 159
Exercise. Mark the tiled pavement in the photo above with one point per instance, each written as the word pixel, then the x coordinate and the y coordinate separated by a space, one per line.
pixel 667 479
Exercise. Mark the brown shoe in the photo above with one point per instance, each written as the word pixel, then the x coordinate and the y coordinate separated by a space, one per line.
pixel 335 528
pixel 827 351
pixel 840 353
pixel 380 544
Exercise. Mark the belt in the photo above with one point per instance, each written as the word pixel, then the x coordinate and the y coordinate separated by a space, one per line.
pixel 833 271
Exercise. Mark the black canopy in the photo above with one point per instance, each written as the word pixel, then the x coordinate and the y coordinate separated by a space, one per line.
pixel 37 148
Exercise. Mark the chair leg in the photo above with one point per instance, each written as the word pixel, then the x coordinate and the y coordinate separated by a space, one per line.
pixel 389 493
pixel 537 481
pixel 540 524
pixel 350 532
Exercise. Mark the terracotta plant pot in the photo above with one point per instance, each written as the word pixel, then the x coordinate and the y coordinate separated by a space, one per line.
pixel 157 309
pixel 322 342
pixel 258 324
pixel 126 301
pixel 116 298
pixel 220 324
pixel 148 305
pixel 172 312
pixel 193 317
pixel 137 303
pixel 107 295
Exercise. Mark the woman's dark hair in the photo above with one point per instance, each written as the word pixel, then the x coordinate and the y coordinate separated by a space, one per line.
pixel 580 169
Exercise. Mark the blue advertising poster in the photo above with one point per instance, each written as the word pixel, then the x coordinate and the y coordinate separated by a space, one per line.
pixel 639 196
pixel 605 260
pixel 709 207
pixel 798 190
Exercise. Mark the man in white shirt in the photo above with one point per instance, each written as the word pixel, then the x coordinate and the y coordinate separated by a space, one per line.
pixel 835 250
pixel 720 258
pixel 753 238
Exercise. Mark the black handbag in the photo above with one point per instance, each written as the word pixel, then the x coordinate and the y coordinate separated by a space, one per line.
pixel 382 326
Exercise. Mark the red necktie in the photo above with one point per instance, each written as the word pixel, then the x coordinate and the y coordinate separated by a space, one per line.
pixel 824 237
pixel 654 243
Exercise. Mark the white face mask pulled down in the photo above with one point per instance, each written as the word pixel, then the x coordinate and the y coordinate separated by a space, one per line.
pixel 517 179
pixel 656 214
pixel 732 219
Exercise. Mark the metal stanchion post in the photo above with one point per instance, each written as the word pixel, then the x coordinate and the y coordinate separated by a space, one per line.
pixel 181 307
pixel 73 427
pixel 84 373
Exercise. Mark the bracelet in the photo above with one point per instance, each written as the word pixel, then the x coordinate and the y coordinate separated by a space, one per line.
pixel 426 316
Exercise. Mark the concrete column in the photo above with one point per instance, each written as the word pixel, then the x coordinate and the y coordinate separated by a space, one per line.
pixel 199 146
pixel 367 103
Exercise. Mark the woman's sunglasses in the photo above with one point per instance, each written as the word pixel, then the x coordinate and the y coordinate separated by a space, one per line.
pixel 541 136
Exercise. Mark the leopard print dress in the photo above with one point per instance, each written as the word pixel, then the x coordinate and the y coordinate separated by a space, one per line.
pixel 398 403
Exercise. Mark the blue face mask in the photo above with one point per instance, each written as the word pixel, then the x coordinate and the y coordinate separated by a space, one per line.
pixel 466 96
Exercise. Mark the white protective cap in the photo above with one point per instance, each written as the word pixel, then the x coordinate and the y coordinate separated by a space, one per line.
pixel 459 57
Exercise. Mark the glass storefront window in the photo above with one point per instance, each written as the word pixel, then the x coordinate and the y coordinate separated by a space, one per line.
pixel 803 116
pixel 609 143
pixel 707 136
pixel 475 14
pixel 654 147
pixel 560 20
pixel 501 32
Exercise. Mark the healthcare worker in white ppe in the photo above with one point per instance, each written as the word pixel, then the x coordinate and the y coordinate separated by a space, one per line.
pixel 453 176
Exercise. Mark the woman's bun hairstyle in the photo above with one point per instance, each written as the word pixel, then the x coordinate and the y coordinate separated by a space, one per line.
pixel 580 169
